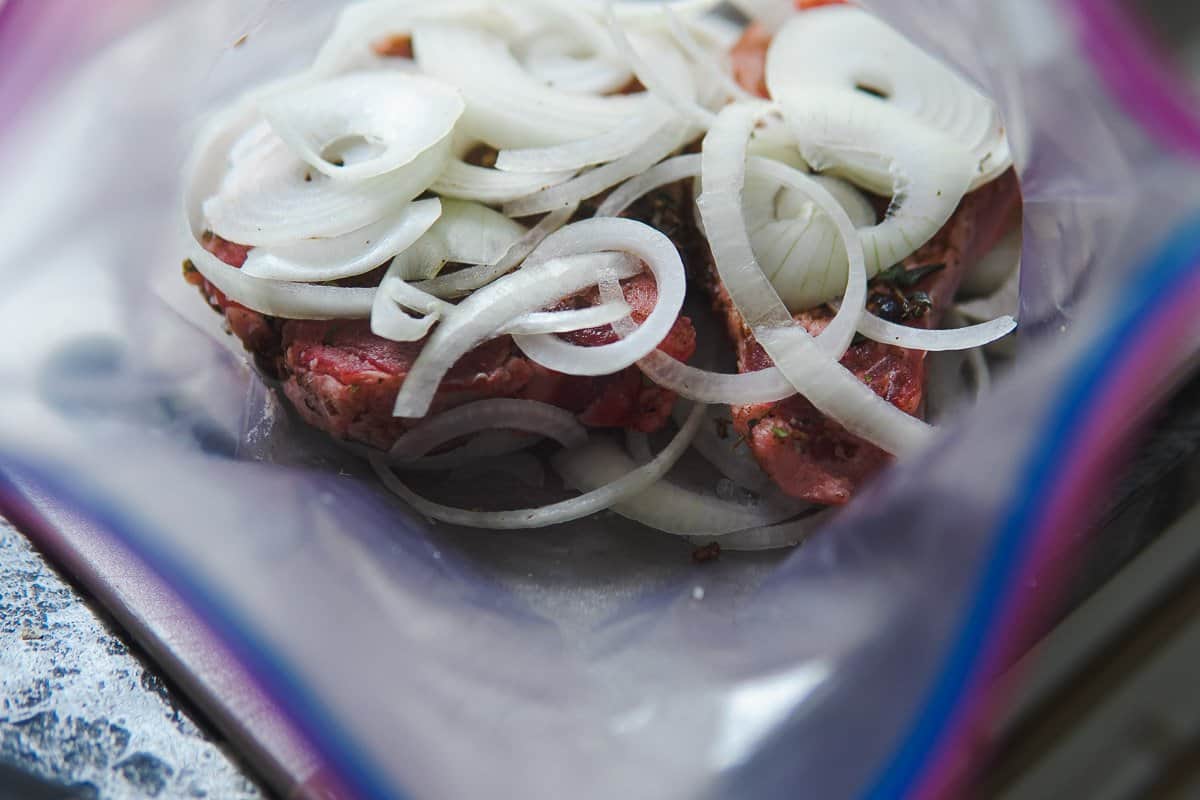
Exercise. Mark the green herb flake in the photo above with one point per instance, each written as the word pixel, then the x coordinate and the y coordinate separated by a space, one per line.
pixel 782 434
pixel 188 267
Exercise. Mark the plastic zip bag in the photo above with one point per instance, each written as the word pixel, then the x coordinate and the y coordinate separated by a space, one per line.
pixel 592 660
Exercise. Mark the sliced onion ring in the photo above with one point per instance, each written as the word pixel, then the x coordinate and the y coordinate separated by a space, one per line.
pixel 397 115
pixel 604 497
pixel 772 537
pixel 354 253
pixel 966 338
pixel 466 233
pixel 481 184
pixel 506 106
pixel 500 413
pixel 665 506
pixel 668 138
pixel 577 319
pixel 830 387
pixel 849 50
pixel 468 280
pixel 202 175
pixel 486 445
pixel 635 238
pixel 483 315
pixel 661 69
pixel 608 146
pixel 277 199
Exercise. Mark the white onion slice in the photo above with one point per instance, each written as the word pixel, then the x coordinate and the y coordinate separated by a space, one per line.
pixel 668 138
pixel 280 298
pixel 552 58
pixel 481 184
pixel 703 386
pixel 202 175
pixel 635 238
pixel 482 316
pixel 354 253
pixel 506 106
pixel 666 172
pixel 466 233
pixel 661 69
pixel 966 338
pixel 389 319
pixel 830 387
pixel 361 24
pixel 604 497
pixel 771 14
pixel 849 50
pixel 488 444
pixel 277 199
pixel 649 15
pixel 772 537
pixel 500 413
pixel 810 272
pixel 397 116
pixel 468 280
pixel 665 506
pixel 858 138
pixel 548 322
pixel 573 156
pixel 720 446
pixel 707 61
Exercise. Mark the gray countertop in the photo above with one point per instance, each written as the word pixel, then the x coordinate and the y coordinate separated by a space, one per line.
pixel 79 707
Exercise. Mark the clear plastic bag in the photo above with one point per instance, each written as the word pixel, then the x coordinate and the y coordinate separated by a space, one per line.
pixel 592 660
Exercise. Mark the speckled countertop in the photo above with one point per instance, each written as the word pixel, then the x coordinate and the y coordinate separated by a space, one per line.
pixel 77 706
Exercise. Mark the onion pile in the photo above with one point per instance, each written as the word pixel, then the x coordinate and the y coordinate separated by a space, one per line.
pixel 467 164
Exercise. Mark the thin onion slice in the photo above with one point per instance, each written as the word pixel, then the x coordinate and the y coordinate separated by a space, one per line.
pixel 389 319
pixel 854 136
pixel 772 537
pixel 719 446
pixel 661 69
pixel 468 280
pixel 966 338
pixel 705 60
pixel 466 233
pixel 360 25
pixel 573 156
pixel 640 240
pixel 668 138
pixel 202 175
pixel 664 505
pixel 506 106
pixel 276 199
pixel 770 14
pixel 481 184
pixel 604 497
pixel 483 315
pixel 577 319
pixel 830 387
pixel 499 413
pixel 649 15
pixel 354 253
pixel 280 298
pixel 851 51
pixel 552 58
pixel 392 116
pixel 489 444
